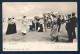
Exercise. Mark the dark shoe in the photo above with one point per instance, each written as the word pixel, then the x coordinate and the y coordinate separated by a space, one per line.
pixel 23 34
pixel 56 39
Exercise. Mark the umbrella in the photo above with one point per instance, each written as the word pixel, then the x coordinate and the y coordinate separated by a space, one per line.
pixel 37 18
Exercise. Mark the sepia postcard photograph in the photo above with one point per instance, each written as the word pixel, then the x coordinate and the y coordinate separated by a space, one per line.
pixel 39 26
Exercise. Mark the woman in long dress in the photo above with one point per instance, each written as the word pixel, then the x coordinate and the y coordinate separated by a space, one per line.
pixel 14 25
pixel 54 30
pixel 11 29
pixel 24 25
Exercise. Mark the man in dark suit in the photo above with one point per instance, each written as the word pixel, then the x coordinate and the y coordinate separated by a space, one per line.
pixel 59 23
pixel 73 25
pixel 69 28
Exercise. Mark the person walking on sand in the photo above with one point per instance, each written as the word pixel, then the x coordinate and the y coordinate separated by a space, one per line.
pixel 24 25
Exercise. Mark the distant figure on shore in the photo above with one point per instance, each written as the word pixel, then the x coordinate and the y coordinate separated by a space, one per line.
pixel 11 29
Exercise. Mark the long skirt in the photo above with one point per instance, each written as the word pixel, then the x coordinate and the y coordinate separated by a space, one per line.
pixel 54 31
pixel 14 28
pixel 24 28
pixel 11 29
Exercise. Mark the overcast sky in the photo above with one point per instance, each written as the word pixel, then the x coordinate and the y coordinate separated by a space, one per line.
pixel 31 9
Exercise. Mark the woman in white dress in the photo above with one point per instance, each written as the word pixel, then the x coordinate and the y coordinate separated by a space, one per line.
pixel 24 25
pixel 54 30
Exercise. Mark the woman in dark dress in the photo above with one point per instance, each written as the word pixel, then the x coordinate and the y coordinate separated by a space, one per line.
pixel 14 25
pixel 32 27
pixel 11 29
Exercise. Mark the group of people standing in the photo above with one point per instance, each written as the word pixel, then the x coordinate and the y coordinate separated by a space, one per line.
pixel 55 25
pixel 71 23
pixel 35 26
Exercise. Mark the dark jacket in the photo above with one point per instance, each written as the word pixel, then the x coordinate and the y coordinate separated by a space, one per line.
pixel 58 21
